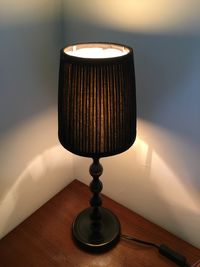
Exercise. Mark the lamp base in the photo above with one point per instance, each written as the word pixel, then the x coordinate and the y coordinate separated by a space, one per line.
pixel 97 239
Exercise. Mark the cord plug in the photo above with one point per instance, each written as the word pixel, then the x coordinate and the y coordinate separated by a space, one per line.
pixel 164 250
pixel 174 256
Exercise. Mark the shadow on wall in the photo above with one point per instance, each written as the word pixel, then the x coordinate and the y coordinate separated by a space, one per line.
pixel 29 52
pixel 44 176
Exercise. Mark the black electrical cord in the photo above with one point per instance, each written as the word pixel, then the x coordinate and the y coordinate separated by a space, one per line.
pixel 126 237
pixel 163 249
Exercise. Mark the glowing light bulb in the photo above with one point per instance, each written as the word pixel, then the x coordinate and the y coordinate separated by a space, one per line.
pixel 95 51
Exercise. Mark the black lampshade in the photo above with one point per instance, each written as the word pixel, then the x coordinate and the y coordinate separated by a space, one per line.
pixel 97 100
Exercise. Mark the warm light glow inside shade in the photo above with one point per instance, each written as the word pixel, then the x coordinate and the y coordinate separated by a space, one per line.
pixel 95 50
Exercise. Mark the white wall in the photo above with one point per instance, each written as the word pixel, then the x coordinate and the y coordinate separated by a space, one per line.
pixel 33 166
pixel 159 177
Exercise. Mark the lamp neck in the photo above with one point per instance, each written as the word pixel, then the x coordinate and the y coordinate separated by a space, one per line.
pixel 96 186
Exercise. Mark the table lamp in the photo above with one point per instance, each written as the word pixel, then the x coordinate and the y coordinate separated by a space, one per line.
pixel 96 118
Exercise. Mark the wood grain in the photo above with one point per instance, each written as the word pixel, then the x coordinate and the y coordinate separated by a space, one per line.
pixel 44 239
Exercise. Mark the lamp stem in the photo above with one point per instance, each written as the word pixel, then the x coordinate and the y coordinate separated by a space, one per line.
pixel 96 186
pixel 96 228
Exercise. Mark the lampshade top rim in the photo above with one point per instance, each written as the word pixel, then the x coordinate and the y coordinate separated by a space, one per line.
pixel 97 50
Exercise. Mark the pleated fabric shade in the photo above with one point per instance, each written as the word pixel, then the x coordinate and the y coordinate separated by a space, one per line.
pixel 96 99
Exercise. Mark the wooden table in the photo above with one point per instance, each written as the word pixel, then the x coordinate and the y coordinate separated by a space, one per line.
pixel 44 239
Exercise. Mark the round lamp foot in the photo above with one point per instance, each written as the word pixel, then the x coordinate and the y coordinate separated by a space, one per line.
pixel 97 236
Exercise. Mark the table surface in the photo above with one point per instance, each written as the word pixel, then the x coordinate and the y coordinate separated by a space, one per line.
pixel 44 239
